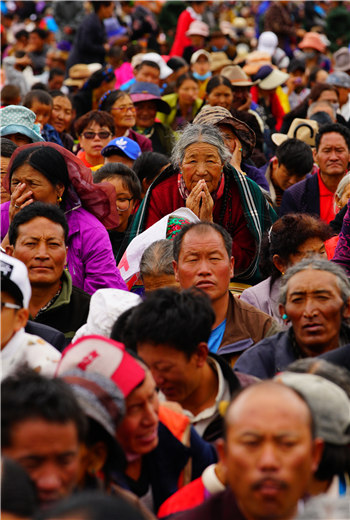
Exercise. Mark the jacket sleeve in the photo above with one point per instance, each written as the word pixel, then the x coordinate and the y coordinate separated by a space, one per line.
pixel 202 453
pixel 288 204
pixel 342 251
pixel 256 361
pixel 99 263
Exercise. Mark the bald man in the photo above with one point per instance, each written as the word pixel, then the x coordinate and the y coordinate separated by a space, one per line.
pixel 269 455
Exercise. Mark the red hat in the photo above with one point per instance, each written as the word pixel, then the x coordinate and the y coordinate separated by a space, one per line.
pixel 103 356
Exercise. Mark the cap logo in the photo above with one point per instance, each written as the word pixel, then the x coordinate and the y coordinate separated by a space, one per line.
pixel 6 269
pixel 122 143
pixel 87 360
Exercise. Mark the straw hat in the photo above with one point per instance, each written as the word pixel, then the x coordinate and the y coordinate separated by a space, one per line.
pixel 237 76
pixel 270 78
pixel 302 129
pixel 218 60
pixel 78 74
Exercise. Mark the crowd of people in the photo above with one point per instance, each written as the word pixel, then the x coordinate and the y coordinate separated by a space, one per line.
pixel 175 260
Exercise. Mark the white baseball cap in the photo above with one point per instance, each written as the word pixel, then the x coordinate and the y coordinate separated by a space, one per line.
pixel 15 280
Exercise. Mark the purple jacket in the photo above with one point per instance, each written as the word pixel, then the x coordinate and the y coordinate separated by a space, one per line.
pixel 342 251
pixel 90 257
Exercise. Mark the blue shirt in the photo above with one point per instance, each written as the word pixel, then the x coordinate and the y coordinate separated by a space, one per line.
pixel 216 337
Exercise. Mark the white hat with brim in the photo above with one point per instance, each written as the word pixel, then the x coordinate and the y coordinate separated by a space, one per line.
pixel 165 71
pixel 302 129
pixel 275 79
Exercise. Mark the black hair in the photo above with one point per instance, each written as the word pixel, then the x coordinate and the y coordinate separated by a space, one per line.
pixel 22 32
pixel 216 81
pixel 58 93
pixel 15 483
pixel 284 238
pixel 148 165
pixel 126 174
pixel 296 65
pixel 296 156
pixel 10 94
pixel 181 79
pixel 335 460
pixel 91 505
pixel 34 210
pixel 99 117
pixel 29 395
pixel 148 63
pixel 202 227
pixel 7 147
pixel 317 90
pixel 96 5
pixel 40 86
pixel 181 320
pixel 46 160
pixel 42 33
pixel 176 63
pixel 333 127
pixel 104 75
pixel 109 98
pixel 40 95
pixel 55 72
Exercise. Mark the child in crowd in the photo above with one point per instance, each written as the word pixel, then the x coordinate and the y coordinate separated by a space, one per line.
pixel 41 103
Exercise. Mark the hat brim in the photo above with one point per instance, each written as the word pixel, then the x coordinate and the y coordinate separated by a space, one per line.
pixel 70 82
pixel 115 150
pixel 218 65
pixel 12 289
pixel 162 106
pixel 242 131
pixel 21 129
pixel 275 79
pixel 278 139
pixel 243 83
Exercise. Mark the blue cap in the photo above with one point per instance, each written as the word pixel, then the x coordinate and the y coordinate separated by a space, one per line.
pixel 127 146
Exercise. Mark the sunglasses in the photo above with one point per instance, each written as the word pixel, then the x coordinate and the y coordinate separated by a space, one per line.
pixel 101 135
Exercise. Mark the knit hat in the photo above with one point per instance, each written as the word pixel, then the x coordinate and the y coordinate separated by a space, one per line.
pixel 219 115
pixel 99 397
pixel 106 305
pixel 106 357
pixel 329 404
pixel 15 280
pixel 15 119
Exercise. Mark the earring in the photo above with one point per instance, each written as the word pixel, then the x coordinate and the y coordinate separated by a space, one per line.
pixel 282 272
pixel 240 149
pixel 284 317
pixel 59 200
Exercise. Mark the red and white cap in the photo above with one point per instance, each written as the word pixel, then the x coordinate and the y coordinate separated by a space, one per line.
pixel 103 356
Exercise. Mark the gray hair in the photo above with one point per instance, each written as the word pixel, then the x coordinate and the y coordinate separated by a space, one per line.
pixel 325 507
pixel 157 259
pixel 316 105
pixel 318 264
pixel 342 185
pixel 203 134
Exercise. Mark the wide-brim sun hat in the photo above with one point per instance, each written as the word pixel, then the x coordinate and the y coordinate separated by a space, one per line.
pixel 221 116
pixel 143 91
pixel 218 60
pixel 165 71
pixel 303 129
pixel 312 40
pixel 238 78
pixel 16 119
pixel 270 78
pixel 342 59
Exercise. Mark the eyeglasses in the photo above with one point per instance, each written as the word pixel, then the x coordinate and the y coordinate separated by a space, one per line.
pixel 125 108
pixel 101 135
pixel 10 305
pixel 123 204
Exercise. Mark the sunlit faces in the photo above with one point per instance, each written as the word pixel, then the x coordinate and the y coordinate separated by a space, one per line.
pixel 138 432
pixel 220 96
pixel 41 247
pixel 315 307
pixel 93 147
pixel 201 161
pixel 37 185
pixel 269 453
pixel 124 113
pixel 204 263
pixel 50 453
pixel 148 74
pixel 62 113
pixel 145 113
pixel 42 112
pixel 188 92
pixel 332 155
pixel 176 375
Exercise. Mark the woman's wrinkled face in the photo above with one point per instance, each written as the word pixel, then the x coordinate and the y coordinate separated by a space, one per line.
pixel 220 96
pixel 124 113
pixel 201 161
pixel 188 92
pixel 41 188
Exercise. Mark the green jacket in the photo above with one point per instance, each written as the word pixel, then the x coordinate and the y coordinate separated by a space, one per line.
pixel 172 100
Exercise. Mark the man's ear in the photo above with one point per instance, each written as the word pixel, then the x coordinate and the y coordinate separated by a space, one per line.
pixel 202 353
pixel 282 311
pixel 97 457
pixel 9 250
pixel 221 449
pixel 176 272
pixel 21 319
pixel 317 452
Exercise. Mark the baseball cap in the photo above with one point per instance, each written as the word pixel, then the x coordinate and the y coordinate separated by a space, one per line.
pixel 15 280
pixel 329 404
pixel 106 357
pixel 201 52
pixel 268 42
pixel 165 71
pixel 127 146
